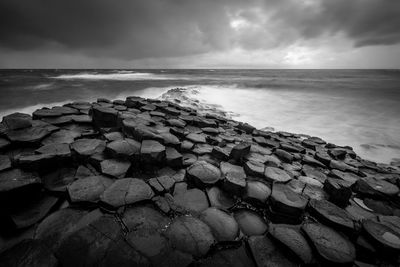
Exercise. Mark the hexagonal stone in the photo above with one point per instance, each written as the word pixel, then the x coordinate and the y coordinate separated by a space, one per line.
pixel 193 200
pixel 266 253
pixel 222 224
pixel 254 168
pixel 371 186
pixel 125 148
pixel 28 135
pixel 152 151
pixel 126 191
pixel 292 238
pixel 190 235
pixel 4 143
pixel 61 136
pixel 115 167
pixel 104 117
pixel 331 214
pixel 5 162
pixel 17 179
pixel 273 174
pixel 17 121
pixel 203 173
pixel 239 151
pixel 383 236
pixel 219 198
pixel 173 157
pixel 234 178
pixel 88 189
pixel 55 150
pixel 250 223
pixel 196 138
pixel 330 245
pixel 144 217
pixel 87 147
pixel 220 153
pixel 257 191
pixel 339 191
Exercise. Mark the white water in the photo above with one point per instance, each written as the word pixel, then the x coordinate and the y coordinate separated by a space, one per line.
pixel 118 76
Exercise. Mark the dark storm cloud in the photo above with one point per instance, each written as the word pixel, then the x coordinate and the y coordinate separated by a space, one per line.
pixel 168 28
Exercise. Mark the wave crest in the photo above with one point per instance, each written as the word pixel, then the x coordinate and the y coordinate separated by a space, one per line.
pixel 119 76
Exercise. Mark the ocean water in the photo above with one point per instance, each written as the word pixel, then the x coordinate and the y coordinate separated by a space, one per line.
pixel 359 108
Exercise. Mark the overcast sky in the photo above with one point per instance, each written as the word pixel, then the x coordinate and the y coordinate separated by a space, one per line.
pixel 200 34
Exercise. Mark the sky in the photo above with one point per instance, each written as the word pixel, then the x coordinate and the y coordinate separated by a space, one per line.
pixel 200 34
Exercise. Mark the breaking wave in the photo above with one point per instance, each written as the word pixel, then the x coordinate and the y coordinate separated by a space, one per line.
pixel 118 76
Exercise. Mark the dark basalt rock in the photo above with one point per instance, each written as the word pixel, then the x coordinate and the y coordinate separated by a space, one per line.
pixel 29 135
pixel 152 151
pixel 44 113
pixel 126 191
pixel 5 162
pixel 273 174
pixel 104 117
pixel 4 143
pixel 125 148
pixel 331 214
pixel 196 138
pixel 374 187
pixel 293 239
pixel 339 191
pixel 330 245
pixel 266 253
pixel 15 179
pixel 203 173
pixel 88 189
pixel 220 153
pixel 229 257
pixel 254 168
pixel 88 147
pixel 239 151
pixel 234 178
pixel 222 224
pixel 257 191
pixel 219 198
pixel 173 157
pixel 386 238
pixel 190 235
pixel 17 121
pixel 116 168
pixel 250 223
pixel 62 136
pixel 284 156
pixel 193 200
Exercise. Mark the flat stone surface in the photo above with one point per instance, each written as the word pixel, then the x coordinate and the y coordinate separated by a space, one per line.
pixel 115 167
pixel 5 162
pixel 239 151
pixel 266 253
pixel 274 174
pixel 250 223
pixel 190 235
pixel 257 191
pixel 16 121
pixel 237 257
pixel 332 214
pixel 385 236
pixel 144 217
pixel 293 239
pixel 125 148
pixel 88 147
pixel 88 189
pixel 28 135
pixel 285 200
pixel 222 224
pixel 375 187
pixel 203 173
pixel 17 178
pixel 55 150
pixel 152 151
pixel 62 136
pixel 104 116
pixel 193 200
pixel 196 138
pixel 219 198
pixel 126 191
pixel 254 168
pixel 329 244
pixel 234 178
pixel 339 191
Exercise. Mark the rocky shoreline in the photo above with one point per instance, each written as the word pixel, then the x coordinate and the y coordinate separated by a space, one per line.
pixel 143 182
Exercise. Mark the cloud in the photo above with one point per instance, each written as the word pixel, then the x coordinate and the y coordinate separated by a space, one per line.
pixel 139 29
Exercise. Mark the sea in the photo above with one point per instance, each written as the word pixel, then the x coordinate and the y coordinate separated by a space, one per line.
pixel 358 108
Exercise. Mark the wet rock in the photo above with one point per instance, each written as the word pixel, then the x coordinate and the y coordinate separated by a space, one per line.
pixel 284 200
pixel 203 173
pixel 292 238
pixel 284 156
pixel 234 178
pixel 266 253
pixel 347 176
pixel 104 117
pixel 152 151
pixel 273 174
pixel 257 191
pixel 196 138
pixel 115 167
pixel 253 168
pixel 250 223
pixel 144 217
pixel 28 253
pixel 5 162
pixel 311 161
pixel 384 237
pixel 220 153
pixel 190 235
pixel 330 245
pixel 239 151
pixel 173 157
pixel 126 191
pixel 332 215
pixel 62 136
pixel 339 191
pixel 16 179
pixel 359 211
pixel 310 181
pixel 219 198
pixel 55 150
pixel 126 148
pixel 44 113
pixel 88 189
pixel 33 212
pixel 371 186
pixel 176 123
pixel 222 224
pixel 29 135
pixel 87 147
pixel 17 121
pixel 193 200
pixel 54 228
pixel 313 172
